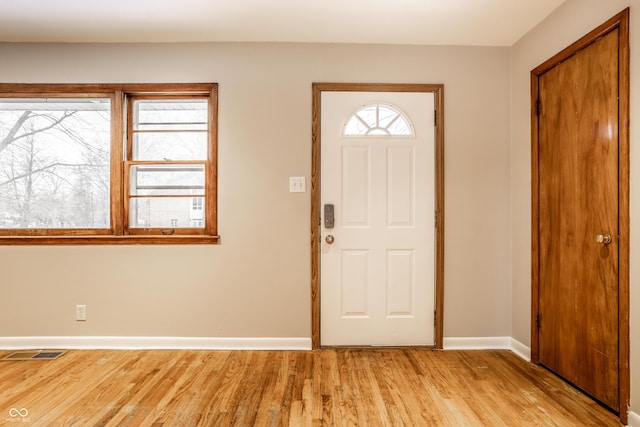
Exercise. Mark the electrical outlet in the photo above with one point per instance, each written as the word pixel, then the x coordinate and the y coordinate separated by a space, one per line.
pixel 81 312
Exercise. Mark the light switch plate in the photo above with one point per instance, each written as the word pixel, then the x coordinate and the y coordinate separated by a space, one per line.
pixel 297 184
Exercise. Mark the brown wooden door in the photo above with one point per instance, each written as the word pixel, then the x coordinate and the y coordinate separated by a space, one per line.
pixel 578 201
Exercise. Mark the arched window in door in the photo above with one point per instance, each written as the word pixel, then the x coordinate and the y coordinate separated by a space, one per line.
pixel 378 120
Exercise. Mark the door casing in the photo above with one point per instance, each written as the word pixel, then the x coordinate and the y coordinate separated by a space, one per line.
pixel 438 91
pixel 621 22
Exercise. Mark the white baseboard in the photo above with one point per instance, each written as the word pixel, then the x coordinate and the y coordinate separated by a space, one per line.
pixel 488 343
pixel 634 419
pixel 521 350
pixel 477 343
pixel 153 343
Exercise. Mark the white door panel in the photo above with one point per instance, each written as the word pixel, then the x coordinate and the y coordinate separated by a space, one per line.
pixel 377 277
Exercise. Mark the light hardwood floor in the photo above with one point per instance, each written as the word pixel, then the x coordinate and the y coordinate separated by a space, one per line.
pixel 332 387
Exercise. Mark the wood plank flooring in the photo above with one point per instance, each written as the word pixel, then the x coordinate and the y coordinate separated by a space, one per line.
pixel 329 387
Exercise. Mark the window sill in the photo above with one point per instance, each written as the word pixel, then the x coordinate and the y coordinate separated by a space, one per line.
pixel 109 240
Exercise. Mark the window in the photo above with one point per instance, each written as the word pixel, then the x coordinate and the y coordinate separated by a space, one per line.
pixel 108 163
pixel 54 163
pixel 378 120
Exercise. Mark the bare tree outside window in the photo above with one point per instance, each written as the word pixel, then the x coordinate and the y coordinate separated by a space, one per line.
pixel 54 163
pixel 108 163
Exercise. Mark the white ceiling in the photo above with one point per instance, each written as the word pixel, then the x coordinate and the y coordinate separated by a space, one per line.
pixel 433 22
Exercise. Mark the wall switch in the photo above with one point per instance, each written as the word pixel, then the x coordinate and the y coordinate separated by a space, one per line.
pixel 81 312
pixel 297 184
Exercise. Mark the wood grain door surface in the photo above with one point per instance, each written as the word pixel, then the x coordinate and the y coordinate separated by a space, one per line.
pixel 578 201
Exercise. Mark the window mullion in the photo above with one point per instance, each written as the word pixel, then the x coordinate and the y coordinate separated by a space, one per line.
pixel 117 156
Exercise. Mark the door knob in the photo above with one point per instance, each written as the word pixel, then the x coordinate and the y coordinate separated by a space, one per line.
pixel 329 239
pixel 605 239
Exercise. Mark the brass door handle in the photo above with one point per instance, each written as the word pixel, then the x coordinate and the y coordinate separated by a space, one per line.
pixel 329 239
pixel 605 239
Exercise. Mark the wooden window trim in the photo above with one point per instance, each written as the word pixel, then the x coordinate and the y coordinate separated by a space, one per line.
pixel 118 233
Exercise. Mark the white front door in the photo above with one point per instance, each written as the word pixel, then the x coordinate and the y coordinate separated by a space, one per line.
pixel 377 283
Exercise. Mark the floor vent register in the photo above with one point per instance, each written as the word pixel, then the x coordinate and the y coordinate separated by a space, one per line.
pixel 34 355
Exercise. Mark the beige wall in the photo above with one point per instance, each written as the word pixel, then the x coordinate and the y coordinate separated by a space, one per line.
pixel 256 283
pixel 571 21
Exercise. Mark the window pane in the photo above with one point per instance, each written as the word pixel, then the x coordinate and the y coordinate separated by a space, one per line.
pixel 170 130
pixel 54 163
pixel 369 115
pixel 167 212
pixel 355 126
pixel 400 127
pixel 148 180
pixel 170 146
pixel 176 115
pixel 385 116
pixel 378 120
